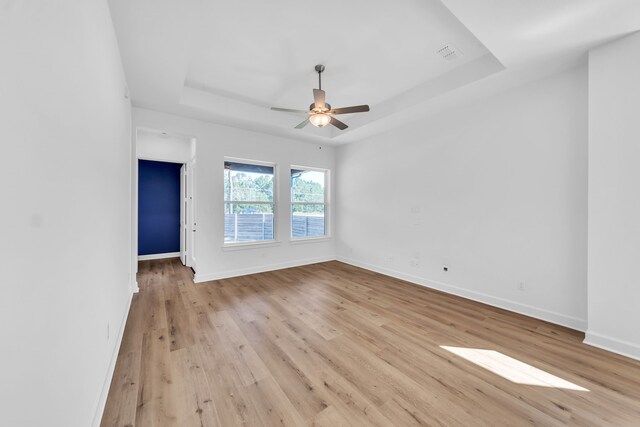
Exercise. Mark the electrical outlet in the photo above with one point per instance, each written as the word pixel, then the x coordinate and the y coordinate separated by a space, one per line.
pixel 414 263
pixel 521 286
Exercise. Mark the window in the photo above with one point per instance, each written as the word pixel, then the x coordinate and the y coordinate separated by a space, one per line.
pixel 308 203
pixel 248 202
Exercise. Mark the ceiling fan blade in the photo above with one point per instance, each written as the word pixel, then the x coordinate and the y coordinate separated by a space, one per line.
pixel 348 110
pixel 303 124
pixel 318 98
pixel 289 110
pixel 337 123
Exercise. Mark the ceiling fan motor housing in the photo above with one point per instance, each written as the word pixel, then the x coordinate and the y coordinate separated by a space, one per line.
pixel 312 107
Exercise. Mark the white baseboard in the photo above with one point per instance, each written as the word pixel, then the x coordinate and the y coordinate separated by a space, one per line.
pixel 527 310
pixel 159 256
pixel 199 278
pixel 624 348
pixel 97 418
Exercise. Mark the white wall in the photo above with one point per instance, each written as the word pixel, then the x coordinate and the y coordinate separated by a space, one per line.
pixel 153 145
pixel 214 143
pixel 65 146
pixel 496 190
pixel 614 196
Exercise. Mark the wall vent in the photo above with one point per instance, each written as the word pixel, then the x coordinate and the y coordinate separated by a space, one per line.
pixel 449 52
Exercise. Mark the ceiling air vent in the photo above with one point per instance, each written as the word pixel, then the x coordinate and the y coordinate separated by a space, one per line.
pixel 449 52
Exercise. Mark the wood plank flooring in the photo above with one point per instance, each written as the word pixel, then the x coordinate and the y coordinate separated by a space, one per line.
pixel 333 345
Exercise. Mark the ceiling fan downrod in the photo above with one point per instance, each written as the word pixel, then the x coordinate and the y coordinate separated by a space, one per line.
pixel 319 70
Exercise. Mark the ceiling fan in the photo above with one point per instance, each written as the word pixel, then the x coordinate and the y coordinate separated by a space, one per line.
pixel 320 113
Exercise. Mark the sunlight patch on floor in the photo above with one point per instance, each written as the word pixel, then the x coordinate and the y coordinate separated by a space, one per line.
pixel 511 369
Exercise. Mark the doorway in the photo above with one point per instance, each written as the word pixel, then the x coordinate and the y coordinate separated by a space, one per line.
pixel 177 152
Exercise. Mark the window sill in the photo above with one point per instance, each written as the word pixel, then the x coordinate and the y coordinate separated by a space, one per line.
pixel 309 240
pixel 249 245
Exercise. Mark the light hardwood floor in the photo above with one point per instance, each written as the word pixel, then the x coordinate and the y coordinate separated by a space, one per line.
pixel 330 344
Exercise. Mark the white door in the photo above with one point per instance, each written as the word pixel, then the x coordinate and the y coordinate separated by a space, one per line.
pixel 184 216
pixel 191 203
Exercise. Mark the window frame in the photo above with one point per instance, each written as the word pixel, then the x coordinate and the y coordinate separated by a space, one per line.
pixel 326 204
pixel 274 203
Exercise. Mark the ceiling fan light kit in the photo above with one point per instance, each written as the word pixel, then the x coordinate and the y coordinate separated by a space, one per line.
pixel 320 119
pixel 320 112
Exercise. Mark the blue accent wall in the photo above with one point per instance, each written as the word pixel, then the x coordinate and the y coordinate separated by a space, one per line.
pixel 158 207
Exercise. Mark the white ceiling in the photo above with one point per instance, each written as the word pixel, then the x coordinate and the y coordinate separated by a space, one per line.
pixel 228 62
pixel 269 54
